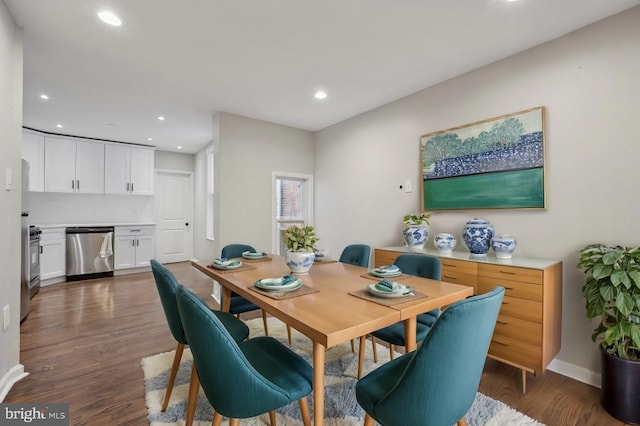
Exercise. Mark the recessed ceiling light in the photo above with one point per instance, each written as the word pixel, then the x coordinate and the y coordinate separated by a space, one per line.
pixel 179 146
pixel 149 139
pixel 320 94
pixel 110 18
pixel 59 126
pixel 44 96
pixel 161 118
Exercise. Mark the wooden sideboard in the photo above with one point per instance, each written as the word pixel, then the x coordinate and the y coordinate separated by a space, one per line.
pixel 528 330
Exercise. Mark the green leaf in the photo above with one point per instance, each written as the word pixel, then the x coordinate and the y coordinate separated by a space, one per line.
pixel 625 303
pixel 601 271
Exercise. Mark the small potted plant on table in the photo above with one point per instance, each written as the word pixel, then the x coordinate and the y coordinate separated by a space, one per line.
pixel 301 244
pixel 612 294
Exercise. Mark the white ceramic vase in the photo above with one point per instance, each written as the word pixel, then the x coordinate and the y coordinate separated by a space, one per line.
pixel 299 262
pixel 444 243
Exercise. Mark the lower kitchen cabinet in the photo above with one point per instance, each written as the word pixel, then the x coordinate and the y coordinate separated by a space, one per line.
pixel 133 246
pixel 528 330
pixel 52 255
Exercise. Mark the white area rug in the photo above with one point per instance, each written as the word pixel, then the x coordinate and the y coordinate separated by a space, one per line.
pixel 341 407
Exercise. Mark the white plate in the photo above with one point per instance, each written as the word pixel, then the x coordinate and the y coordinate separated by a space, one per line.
pixel 271 284
pixel 371 288
pixel 227 265
pixel 252 255
pixel 377 273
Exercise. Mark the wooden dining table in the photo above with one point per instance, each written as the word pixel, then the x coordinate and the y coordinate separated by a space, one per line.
pixel 332 307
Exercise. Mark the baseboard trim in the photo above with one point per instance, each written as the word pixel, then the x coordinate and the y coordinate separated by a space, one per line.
pixel 575 372
pixel 10 378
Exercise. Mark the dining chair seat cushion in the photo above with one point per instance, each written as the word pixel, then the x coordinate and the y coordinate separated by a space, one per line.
pixel 428 318
pixel 241 305
pixel 238 330
pixel 394 333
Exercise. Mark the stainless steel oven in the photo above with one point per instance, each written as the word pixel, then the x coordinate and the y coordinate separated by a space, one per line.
pixel 34 260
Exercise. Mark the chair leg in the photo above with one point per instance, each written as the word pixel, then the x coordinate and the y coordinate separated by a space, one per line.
pixel 361 348
pixel 234 422
pixel 375 351
pixel 368 420
pixel 192 397
pixel 462 422
pixel 392 349
pixel 272 418
pixel 353 346
pixel 264 321
pixel 289 333
pixel 304 410
pixel 217 419
pixel 172 376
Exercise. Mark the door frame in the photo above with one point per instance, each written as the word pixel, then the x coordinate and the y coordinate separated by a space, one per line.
pixel 175 172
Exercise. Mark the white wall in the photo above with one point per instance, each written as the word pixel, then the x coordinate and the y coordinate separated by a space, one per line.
pixel 10 201
pixel 174 161
pixel 249 152
pixel 588 82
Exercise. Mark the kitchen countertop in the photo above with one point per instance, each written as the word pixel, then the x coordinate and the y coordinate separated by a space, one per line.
pixel 72 225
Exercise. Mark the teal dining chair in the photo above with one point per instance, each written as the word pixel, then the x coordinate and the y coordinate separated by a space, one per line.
pixel 246 379
pixel 356 254
pixel 421 265
pixel 239 304
pixel 436 384
pixel 167 285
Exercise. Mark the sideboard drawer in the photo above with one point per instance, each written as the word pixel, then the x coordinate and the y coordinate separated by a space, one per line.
pixel 459 266
pixel 512 273
pixel 527 310
pixel 512 288
pixel 517 352
pixel 384 257
pixel 518 329
pixel 460 278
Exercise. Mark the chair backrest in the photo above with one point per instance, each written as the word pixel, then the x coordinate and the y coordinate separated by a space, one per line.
pixel 356 254
pixel 441 380
pixel 422 265
pixel 232 386
pixel 235 250
pixel 167 285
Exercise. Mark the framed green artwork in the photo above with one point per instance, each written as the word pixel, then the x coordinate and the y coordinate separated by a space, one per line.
pixel 496 163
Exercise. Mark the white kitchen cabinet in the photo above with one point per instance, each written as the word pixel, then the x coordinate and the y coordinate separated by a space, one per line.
pixel 134 246
pixel 73 166
pixel 33 152
pixel 129 169
pixel 52 253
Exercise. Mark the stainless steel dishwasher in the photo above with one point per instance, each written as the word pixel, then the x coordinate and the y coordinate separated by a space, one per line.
pixel 89 252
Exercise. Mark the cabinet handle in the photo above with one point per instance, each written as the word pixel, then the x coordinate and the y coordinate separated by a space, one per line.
pixel 73 184
pixel 137 242
pixel 449 265
pixel 127 186
pixel 131 186
pixel 449 277
pixel 78 185
pixel 507 272
pixel 135 230
pixel 133 242
pixel 500 343
pixel 40 249
pixel 502 322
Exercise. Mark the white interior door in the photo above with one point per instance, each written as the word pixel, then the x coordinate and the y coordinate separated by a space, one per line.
pixel 174 215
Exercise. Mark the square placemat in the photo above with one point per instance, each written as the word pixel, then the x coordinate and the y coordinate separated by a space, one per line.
pixel 399 277
pixel 304 289
pixel 364 294
pixel 262 259
pixel 244 267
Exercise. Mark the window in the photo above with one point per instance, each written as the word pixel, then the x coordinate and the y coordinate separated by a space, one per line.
pixel 293 205
pixel 210 200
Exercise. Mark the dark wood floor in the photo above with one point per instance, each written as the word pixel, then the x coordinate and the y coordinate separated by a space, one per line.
pixel 83 341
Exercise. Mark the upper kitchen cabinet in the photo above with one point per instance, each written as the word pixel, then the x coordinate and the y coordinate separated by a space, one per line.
pixel 73 166
pixel 33 152
pixel 129 169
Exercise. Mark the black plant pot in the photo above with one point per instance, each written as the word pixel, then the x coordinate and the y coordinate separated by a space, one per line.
pixel 620 387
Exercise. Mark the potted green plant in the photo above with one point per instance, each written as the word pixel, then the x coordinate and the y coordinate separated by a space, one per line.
pixel 301 245
pixel 612 295
pixel 416 229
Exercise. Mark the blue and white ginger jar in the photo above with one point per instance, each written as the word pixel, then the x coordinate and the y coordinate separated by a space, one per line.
pixel 444 243
pixel 477 236
pixel 415 235
pixel 299 262
pixel 503 246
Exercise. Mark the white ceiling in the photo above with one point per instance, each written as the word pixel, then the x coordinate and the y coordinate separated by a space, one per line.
pixel 263 59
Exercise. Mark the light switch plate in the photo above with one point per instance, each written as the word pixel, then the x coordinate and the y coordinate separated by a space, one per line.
pixel 407 186
pixel 6 317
